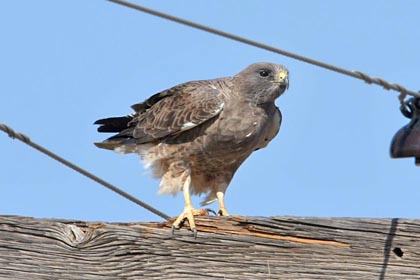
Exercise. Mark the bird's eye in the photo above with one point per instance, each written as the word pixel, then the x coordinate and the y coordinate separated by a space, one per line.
pixel 264 73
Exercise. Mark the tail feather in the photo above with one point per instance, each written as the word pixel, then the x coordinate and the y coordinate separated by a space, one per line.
pixel 120 145
pixel 119 125
pixel 107 145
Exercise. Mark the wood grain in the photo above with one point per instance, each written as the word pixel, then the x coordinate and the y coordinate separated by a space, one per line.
pixel 226 248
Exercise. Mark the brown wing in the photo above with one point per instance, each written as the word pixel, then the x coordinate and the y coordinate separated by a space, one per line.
pixel 175 110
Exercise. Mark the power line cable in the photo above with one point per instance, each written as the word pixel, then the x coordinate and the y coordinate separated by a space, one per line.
pixel 25 139
pixel 355 74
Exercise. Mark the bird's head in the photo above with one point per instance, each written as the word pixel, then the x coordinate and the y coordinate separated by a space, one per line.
pixel 263 82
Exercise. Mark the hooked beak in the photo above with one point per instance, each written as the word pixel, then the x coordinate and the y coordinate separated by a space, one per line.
pixel 282 79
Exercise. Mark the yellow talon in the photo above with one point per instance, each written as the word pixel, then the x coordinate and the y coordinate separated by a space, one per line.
pixel 189 211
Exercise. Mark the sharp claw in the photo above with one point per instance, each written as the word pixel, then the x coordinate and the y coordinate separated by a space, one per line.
pixel 222 213
pixel 181 224
pixel 210 211
pixel 188 215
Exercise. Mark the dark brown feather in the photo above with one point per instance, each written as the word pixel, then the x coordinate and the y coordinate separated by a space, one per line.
pixel 166 113
pixel 189 105
pixel 115 124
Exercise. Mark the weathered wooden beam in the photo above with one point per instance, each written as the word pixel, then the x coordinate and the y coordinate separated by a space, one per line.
pixel 226 248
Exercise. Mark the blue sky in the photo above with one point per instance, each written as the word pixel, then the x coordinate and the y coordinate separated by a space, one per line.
pixel 65 64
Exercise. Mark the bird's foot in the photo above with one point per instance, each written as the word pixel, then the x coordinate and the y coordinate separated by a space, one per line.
pixel 223 212
pixel 188 214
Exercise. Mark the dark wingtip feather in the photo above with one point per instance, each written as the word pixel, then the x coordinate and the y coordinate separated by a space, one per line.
pixel 99 121
pixel 114 124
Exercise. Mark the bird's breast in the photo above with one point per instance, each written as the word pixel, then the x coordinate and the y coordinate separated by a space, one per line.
pixel 232 137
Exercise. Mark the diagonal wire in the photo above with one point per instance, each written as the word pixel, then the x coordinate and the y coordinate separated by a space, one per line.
pixel 355 74
pixel 25 139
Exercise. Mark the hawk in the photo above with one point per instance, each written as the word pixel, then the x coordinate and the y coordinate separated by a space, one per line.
pixel 194 136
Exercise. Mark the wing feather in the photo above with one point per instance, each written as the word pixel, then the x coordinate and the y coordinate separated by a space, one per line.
pixel 176 110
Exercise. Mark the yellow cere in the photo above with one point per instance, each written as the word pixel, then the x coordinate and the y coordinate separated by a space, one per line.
pixel 283 75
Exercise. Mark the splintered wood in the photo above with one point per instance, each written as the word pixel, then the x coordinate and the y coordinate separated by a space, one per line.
pixel 226 248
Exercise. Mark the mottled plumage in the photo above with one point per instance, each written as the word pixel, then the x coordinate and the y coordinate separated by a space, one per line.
pixel 195 135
